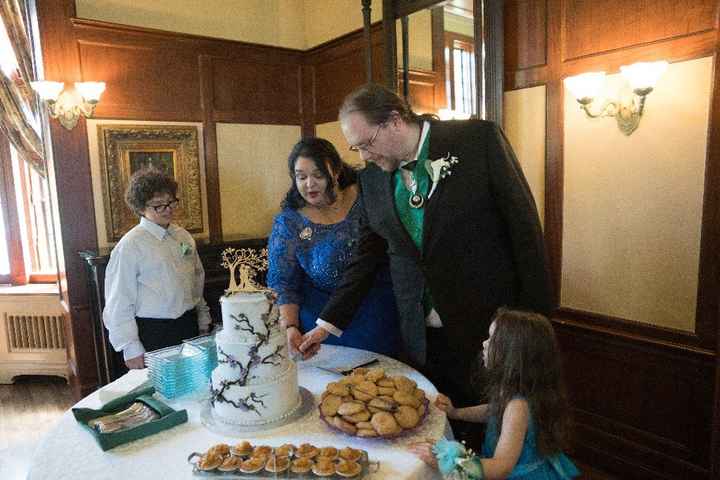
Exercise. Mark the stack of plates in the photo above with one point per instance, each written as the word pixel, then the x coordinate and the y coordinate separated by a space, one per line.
pixel 182 369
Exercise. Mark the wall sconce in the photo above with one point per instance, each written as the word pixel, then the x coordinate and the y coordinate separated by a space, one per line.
pixel 642 78
pixel 68 105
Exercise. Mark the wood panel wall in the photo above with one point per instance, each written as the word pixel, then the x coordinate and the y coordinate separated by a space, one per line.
pixel 164 76
pixel 666 425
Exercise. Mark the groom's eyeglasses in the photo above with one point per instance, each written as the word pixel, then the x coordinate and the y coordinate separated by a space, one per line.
pixel 364 147
pixel 160 208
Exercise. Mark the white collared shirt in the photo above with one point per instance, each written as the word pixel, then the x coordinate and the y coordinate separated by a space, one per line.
pixel 153 272
pixel 432 319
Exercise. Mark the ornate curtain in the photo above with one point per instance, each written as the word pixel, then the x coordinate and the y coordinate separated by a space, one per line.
pixel 19 116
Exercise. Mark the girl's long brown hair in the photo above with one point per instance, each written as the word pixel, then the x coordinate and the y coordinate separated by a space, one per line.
pixel 524 361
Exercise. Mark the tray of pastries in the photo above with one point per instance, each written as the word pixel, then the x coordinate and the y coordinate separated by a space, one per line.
pixel 246 461
pixel 368 403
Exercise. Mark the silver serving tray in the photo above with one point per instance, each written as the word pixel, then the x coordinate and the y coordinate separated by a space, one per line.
pixel 368 468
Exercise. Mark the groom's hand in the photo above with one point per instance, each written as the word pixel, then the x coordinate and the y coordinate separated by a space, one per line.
pixel 311 342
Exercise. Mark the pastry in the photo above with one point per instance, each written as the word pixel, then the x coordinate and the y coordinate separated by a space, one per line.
pixel 285 450
pixel 277 464
pixel 330 404
pixel 252 465
pixel 338 389
pixel 262 451
pixel 384 423
pixel 230 464
pixel 362 416
pixel 407 417
pixel 301 465
pixel 351 454
pixel 221 449
pixel 210 461
pixel 344 425
pixel 324 468
pixel 348 469
pixel 307 450
pixel 242 448
pixel 328 453
pixel 349 408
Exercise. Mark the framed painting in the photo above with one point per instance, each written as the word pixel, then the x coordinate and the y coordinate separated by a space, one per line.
pixel 126 148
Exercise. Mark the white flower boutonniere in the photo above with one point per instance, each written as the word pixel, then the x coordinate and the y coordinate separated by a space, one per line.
pixel 439 169
pixel 185 249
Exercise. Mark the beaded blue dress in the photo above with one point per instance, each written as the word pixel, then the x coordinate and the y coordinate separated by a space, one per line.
pixel 307 261
pixel 531 465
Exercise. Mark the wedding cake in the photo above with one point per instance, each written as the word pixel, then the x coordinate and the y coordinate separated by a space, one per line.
pixel 255 382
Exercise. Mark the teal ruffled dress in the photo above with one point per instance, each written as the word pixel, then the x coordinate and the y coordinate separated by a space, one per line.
pixel 531 465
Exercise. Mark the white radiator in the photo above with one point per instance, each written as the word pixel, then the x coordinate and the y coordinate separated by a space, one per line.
pixel 32 336
pixel 34 332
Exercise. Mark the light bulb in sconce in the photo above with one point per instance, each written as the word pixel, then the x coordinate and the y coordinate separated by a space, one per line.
pixel 642 78
pixel 68 105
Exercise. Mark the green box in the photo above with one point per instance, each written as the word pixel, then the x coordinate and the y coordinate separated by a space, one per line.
pixel 168 418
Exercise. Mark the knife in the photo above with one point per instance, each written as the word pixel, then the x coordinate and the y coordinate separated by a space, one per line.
pixel 339 371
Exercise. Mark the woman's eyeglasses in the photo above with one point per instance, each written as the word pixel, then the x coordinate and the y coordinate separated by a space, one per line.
pixel 364 147
pixel 164 206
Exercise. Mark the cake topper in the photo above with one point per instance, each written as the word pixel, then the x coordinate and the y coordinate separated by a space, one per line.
pixel 251 262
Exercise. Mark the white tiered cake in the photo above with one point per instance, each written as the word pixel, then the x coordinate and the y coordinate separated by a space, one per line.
pixel 255 382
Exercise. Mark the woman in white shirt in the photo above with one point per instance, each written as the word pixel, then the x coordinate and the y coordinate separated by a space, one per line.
pixel 154 280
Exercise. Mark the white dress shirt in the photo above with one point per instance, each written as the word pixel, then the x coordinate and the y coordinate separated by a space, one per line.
pixel 155 273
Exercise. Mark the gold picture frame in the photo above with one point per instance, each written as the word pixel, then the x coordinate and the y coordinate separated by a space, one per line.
pixel 124 149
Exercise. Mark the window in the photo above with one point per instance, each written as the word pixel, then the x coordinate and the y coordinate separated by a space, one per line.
pixel 27 243
pixel 460 73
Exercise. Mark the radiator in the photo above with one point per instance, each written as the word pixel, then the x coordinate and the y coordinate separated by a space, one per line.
pixel 34 332
pixel 32 336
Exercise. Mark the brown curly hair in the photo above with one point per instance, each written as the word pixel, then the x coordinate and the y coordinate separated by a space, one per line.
pixel 144 185
pixel 524 361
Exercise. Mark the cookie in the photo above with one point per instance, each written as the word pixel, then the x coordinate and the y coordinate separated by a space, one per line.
pixel 419 393
pixel 367 387
pixel 388 391
pixel 329 406
pixel 350 408
pixel 361 416
pixel 405 398
pixel 421 409
pixel 344 425
pixel 404 384
pixel 386 382
pixel 384 423
pixel 363 425
pixel 338 389
pixel 407 417
pixel 375 374
pixel 367 432
pixel 381 404
pixel 360 395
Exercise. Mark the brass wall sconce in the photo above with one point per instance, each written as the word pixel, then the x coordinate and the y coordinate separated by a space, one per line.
pixel 642 78
pixel 67 105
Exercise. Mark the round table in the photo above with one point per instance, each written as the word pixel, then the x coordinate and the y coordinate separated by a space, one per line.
pixel 70 452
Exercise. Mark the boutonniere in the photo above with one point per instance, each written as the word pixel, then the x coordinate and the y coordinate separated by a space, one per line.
pixel 439 169
pixel 185 249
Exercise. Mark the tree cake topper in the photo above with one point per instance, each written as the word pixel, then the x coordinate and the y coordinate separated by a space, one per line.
pixel 249 261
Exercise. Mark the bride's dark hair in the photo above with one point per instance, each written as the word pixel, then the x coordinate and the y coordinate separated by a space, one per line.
pixel 327 160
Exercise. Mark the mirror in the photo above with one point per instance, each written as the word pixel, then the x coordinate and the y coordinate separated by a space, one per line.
pixel 440 59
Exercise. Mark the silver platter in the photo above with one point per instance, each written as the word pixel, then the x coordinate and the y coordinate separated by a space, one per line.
pixel 307 403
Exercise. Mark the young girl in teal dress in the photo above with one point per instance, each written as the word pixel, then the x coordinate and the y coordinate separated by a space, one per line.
pixel 527 414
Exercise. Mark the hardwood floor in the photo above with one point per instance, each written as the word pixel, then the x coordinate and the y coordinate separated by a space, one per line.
pixel 28 409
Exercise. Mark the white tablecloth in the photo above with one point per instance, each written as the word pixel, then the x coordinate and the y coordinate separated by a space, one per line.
pixel 70 452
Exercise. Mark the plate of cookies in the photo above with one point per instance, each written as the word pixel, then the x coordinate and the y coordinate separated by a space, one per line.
pixel 246 461
pixel 368 403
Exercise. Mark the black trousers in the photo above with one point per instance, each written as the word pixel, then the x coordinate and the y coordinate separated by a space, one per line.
pixel 456 373
pixel 158 333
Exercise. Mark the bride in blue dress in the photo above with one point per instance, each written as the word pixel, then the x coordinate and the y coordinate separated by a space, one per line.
pixel 310 245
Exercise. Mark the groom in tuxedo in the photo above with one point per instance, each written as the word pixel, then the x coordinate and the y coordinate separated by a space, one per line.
pixel 448 203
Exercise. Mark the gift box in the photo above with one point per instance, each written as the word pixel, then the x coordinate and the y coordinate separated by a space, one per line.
pixel 167 418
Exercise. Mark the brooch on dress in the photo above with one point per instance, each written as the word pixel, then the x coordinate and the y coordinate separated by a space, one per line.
pixel 306 233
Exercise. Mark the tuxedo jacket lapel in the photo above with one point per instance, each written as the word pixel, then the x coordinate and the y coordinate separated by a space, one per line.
pixel 397 228
pixel 440 145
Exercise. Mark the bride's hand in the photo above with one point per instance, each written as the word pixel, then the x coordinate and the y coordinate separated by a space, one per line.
pixel 294 338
